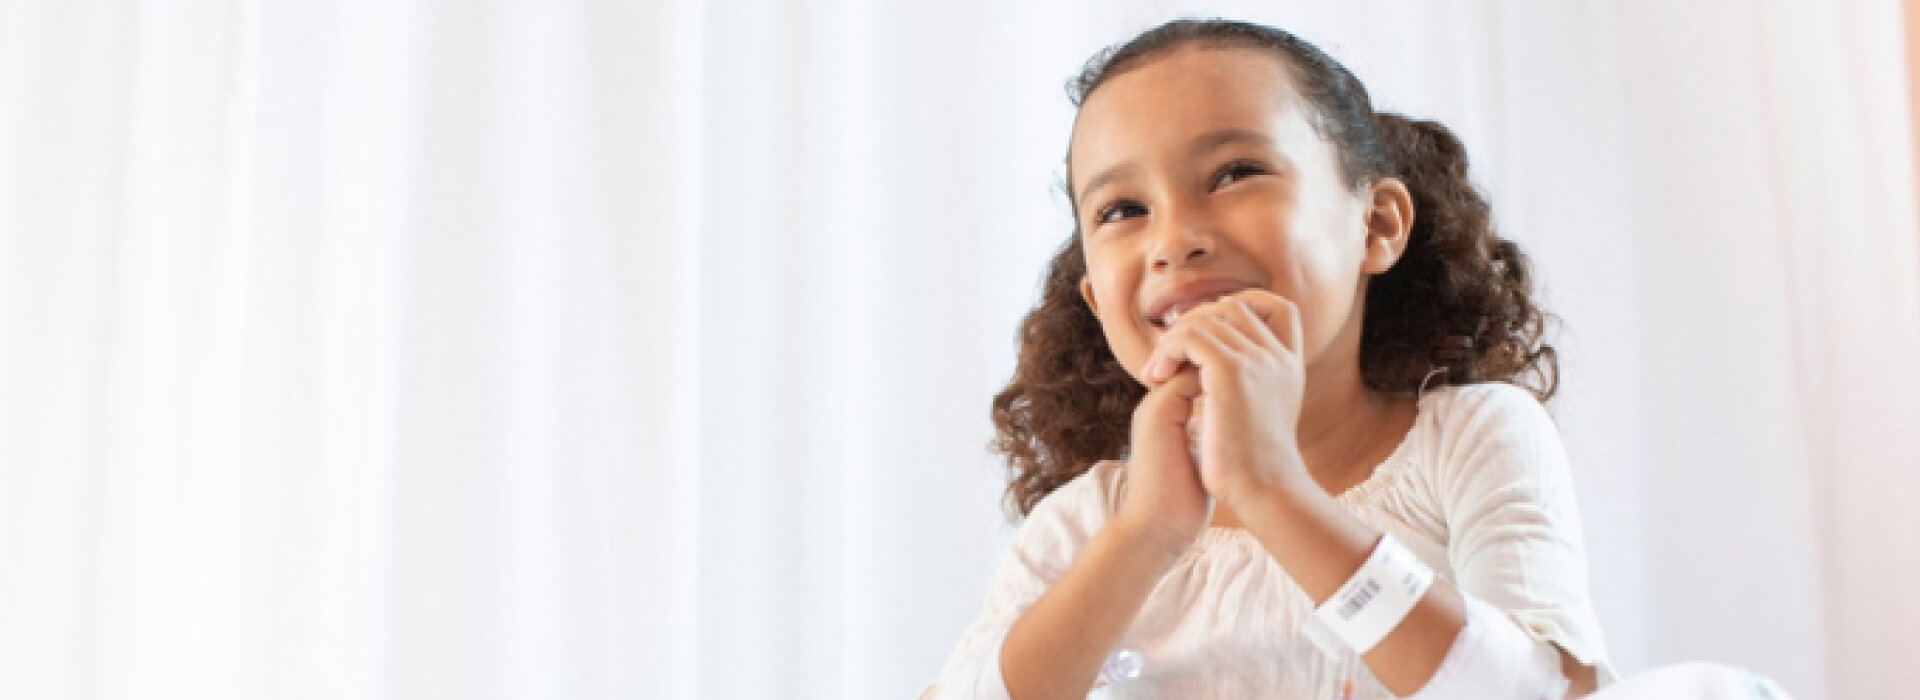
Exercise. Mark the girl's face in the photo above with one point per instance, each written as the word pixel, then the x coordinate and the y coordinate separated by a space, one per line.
pixel 1197 174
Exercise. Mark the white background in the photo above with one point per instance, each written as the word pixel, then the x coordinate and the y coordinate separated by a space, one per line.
pixel 594 349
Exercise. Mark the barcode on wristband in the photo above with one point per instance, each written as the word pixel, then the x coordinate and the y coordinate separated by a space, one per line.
pixel 1359 599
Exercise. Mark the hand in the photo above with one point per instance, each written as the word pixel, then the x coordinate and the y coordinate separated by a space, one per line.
pixel 1245 346
pixel 1164 500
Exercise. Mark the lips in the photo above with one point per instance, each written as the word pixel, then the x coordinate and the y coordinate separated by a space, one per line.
pixel 1176 300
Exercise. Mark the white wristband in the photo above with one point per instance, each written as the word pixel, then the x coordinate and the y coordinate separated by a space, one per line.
pixel 1377 597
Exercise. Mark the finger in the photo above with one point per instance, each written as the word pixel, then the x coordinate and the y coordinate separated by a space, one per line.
pixel 1248 321
pixel 1229 321
pixel 1184 384
pixel 1279 314
pixel 1260 302
pixel 1171 402
pixel 1199 328
pixel 1196 342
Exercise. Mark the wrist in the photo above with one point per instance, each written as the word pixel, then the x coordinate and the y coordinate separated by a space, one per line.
pixel 1157 543
pixel 1285 491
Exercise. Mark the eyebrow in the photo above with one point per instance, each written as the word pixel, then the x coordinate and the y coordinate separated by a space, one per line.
pixel 1201 144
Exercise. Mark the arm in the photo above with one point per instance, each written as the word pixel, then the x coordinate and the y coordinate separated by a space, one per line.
pixel 1518 542
pixel 1514 533
pixel 1516 548
pixel 1321 546
pixel 1057 647
pixel 1582 679
pixel 1070 583
pixel 1087 573
pixel 1252 382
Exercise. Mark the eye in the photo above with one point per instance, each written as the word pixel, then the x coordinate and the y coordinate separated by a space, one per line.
pixel 1118 210
pixel 1236 171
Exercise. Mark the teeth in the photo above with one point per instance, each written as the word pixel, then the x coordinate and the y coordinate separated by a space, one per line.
pixel 1167 320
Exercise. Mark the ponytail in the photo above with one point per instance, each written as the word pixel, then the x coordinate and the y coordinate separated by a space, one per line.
pixel 1460 300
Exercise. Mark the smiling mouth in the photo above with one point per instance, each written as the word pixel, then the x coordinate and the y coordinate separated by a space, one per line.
pixel 1176 300
pixel 1166 320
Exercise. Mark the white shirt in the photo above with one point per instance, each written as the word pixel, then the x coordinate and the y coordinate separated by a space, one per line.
pixel 1479 489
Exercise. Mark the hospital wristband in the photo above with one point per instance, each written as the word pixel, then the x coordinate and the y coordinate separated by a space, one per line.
pixel 1377 597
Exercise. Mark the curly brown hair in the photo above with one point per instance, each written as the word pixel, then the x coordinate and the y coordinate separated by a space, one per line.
pixel 1458 306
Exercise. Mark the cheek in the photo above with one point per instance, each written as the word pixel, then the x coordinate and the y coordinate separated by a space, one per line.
pixel 1130 351
pixel 1318 263
pixel 1331 283
pixel 1128 341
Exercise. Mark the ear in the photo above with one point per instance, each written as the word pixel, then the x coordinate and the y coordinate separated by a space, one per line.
pixel 1389 221
pixel 1086 292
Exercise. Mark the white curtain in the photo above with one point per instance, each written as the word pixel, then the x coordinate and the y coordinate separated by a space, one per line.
pixel 593 349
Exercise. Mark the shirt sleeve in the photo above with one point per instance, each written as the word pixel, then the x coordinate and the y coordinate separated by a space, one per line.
pixel 1492 659
pixel 1515 537
pixel 1057 529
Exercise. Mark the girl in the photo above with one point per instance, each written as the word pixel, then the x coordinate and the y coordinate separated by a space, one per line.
pixel 1276 428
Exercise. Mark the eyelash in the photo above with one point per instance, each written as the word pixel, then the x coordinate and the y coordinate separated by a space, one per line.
pixel 1238 167
pixel 1245 167
pixel 1105 216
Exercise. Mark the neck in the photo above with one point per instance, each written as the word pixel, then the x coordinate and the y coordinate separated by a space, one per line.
pixel 1341 425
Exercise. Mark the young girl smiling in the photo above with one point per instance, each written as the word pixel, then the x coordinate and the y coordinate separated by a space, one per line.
pixel 1276 428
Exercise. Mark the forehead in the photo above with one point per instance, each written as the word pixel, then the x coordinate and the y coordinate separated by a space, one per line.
pixel 1170 100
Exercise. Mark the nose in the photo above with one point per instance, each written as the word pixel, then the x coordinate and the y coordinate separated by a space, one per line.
pixel 1184 243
